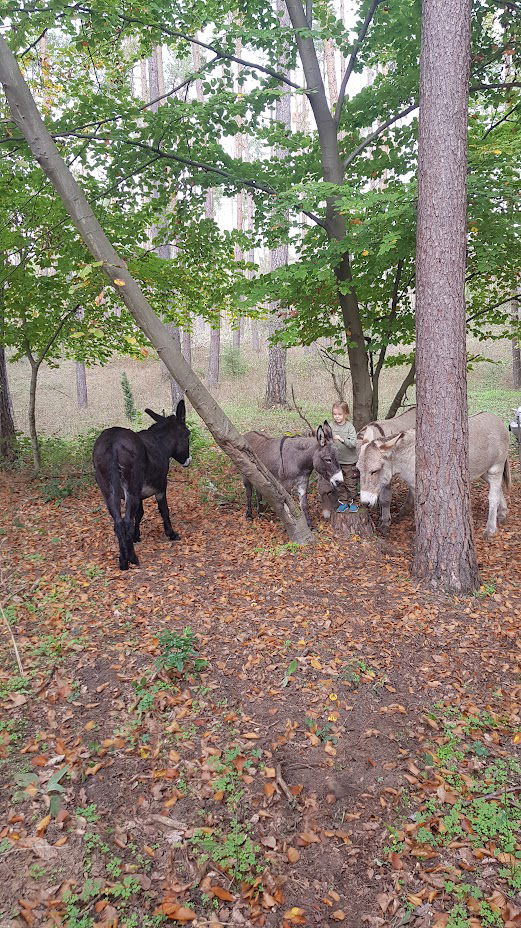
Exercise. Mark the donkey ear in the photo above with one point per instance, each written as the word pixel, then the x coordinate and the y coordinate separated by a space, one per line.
pixel 154 415
pixel 390 443
pixel 181 411
pixel 321 438
pixel 328 432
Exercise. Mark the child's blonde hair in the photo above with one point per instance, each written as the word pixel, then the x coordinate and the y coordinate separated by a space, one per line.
pixel 343 406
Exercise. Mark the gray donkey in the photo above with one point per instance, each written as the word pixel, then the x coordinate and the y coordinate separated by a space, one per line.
pixel 292 459
pixel 381 458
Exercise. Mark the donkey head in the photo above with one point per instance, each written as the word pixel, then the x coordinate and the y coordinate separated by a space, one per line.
pixel 375 466
pixel 173 433
pixel 325 460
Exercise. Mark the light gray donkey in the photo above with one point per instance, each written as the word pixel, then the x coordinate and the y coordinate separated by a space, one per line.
pixel 291 459
pixel 380 459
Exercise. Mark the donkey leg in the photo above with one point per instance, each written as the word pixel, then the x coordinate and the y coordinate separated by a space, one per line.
pixel 132 503
pixel 494 496
pixel 302 490
pixel 384 499
pixel 139 516
pixel 162 505
pixel 248 487
pixel 119 528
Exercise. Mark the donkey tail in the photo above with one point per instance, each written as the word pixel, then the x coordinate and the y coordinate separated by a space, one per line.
pixel 507 480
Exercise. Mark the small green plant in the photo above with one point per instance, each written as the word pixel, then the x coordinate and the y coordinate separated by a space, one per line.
pixel 179 652
pixel 89 813
pixel 93 571
pixel 5 845
pixel 288 673
pixel 232 362
pixel 54 489
pixel 124 890
pixel 128 398
pixel 234 852
pixel 146 693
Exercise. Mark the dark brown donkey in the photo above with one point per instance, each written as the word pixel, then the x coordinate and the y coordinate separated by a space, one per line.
pixel 292 459
pixel 133 466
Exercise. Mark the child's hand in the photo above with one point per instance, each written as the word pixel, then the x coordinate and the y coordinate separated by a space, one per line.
pixel 337 438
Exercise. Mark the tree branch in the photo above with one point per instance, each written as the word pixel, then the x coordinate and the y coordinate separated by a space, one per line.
pixel 489 309
pixel 498 123
pixel 352 60
pixel 33 44
pixel 392 315
pixel 378 131
pixel 200 165
pixel 398 399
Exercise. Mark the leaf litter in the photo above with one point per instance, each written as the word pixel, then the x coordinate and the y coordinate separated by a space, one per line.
pixel 239 733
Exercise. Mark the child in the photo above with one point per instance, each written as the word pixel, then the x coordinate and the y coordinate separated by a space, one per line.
pixel 345 446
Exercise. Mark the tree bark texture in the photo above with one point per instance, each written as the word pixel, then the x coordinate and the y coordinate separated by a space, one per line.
pixel 26 116
pixel 516 346
pixel 347 524
pixel 81 385
pixel 7 428
pixel 445 556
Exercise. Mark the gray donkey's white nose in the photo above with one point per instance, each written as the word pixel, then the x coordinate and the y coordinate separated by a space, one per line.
pixel 337 478
pixel 188 461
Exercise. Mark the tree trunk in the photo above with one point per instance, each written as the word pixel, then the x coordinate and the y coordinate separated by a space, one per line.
pixel 187 347
pixel 400 393
pixel 81 385
pixel 26 116
pixel 276 375
pixel 333 172
pixel 445 556
pixel 7 429
pixel 214 356
pixel 175 390
pixel 353 523
pixel 255 336
pixel 516 346
pixel 35 445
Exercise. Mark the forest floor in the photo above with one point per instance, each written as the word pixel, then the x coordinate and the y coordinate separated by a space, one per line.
pixel 244 732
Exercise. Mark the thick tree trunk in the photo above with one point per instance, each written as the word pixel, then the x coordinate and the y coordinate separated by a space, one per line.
pixel 7 429
pixel 445 555
pixel 35 444
pixel 81 385
pixel 516 346
pixel 30 123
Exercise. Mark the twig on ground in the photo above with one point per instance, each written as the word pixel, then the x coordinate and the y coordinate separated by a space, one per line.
pixel 15 646
pixel 279 780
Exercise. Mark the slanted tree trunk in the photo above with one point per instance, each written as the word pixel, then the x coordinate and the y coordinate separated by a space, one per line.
pixel 516 346
pixel 26 116
pixel 81 385
pixel 187 347
pixel 445 556
pixel 7 429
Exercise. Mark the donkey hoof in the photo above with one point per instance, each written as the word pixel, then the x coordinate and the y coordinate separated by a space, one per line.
pixel 249 517
pixel 173 536
pixel 136 538
pixel 123 565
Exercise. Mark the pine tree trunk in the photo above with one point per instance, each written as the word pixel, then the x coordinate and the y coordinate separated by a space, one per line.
pixel 445 557
pixel 255 336
pixel 81 385
pixel 7 429
pixel 516 346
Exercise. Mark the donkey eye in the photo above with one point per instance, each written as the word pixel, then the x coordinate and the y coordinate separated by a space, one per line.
pixel 377 471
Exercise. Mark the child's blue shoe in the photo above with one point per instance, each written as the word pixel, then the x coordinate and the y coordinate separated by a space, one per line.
pixel 343 507
pixel 353 507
